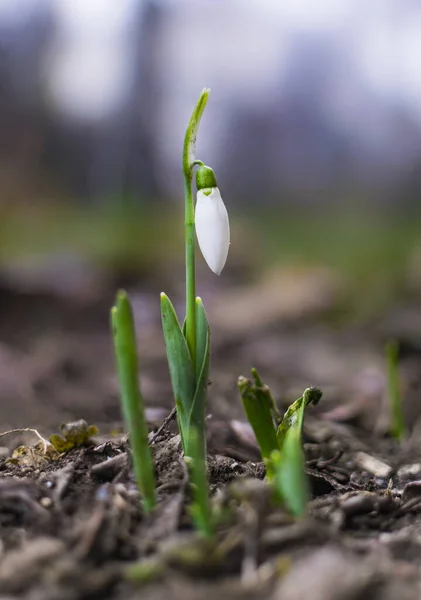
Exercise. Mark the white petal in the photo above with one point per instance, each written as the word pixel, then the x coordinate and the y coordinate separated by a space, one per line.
pixel 212 229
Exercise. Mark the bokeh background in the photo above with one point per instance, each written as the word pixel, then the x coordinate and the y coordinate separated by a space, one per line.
pixel 313 128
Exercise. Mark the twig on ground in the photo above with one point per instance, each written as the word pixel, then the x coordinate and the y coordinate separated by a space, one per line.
pixel 155 436
pixel 45 442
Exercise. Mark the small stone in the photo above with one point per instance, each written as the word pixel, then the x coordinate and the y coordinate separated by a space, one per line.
pixel 411 490
pixel 26 470
pixel 46 502
pixel 329 573
pixel 373 465
pixel 409 471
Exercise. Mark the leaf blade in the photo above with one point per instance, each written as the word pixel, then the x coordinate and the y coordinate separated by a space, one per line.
pixel 180 365
pixel 125 347
pixel 197 414
pixel 257 407
pixel 289 477
pixel 288 464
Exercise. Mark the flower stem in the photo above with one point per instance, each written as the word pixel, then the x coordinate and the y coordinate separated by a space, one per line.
pixel 189 160
pixel 190 271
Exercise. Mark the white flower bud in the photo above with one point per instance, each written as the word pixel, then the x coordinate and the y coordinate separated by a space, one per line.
pixel 212 228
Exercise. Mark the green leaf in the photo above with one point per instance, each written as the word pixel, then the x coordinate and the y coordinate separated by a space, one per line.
pixel 258 405
pixel 125 347
pixel 290 480
pixel 197 415
pixel 265 392
pixel 180 366
pixel 191 401
pixel 202 337
pixel 288 464
pixel 294 416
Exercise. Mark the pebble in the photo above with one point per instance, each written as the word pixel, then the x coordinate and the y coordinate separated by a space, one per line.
pixel 373 465
pixel 411 490
pixel 409 471
pixel 46 502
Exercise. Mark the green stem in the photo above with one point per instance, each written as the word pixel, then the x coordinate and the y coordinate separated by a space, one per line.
pixel 189 161
pixel 190 271
pixel 200 507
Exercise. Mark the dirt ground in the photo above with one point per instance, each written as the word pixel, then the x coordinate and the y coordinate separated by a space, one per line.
pixel 72 528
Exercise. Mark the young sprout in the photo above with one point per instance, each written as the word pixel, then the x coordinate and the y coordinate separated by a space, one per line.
pixel 279 439
pixel 289 478
pixel 393 391
pixel 291 485
pixel 125 347
pixel 261 411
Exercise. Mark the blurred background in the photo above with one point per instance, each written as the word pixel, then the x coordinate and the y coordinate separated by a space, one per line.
pixel 312 109
pixel 314 131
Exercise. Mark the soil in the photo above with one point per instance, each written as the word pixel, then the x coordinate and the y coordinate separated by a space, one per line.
pixel 72 526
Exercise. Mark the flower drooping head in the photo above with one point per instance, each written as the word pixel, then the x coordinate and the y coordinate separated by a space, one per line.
pixel 212 223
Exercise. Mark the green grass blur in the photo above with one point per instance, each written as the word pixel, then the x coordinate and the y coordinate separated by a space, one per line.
pixel 370 250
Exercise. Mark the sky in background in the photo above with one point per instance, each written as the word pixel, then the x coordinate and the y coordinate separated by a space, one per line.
pixel 382 38
pixel 362 58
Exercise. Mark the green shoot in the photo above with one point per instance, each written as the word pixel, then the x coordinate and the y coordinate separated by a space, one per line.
pixel 200 507
pixel 259 407
pixel 190 399
pixel 294 416
pixel 125 347
pixel 288 462
pixel 290 481
pixel 279 439
pixel 393 391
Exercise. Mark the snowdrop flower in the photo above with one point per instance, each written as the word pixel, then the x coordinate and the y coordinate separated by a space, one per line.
pixel 212 223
